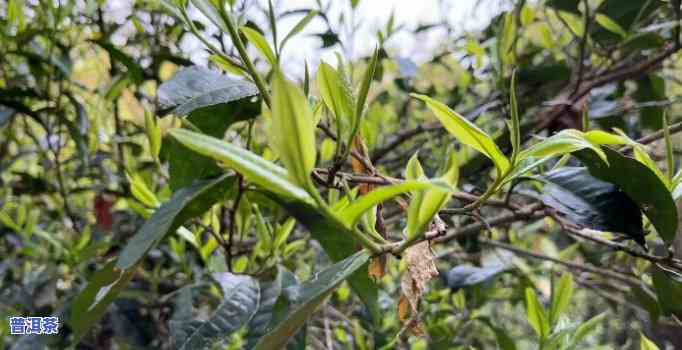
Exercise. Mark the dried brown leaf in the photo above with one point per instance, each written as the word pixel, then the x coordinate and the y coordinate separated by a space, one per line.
pixel 377 267
pixel 421 269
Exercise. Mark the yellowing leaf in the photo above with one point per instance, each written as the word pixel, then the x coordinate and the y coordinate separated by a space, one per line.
pixel 466 132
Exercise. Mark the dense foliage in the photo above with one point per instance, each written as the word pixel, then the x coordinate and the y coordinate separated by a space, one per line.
pixel 517 190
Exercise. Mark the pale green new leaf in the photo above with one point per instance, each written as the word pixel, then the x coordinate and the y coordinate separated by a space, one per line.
pixel 600 137
pixel 293 130
pixel 259 41
pixel 153 132
pixel 334 92
pixel 563 142
pixel 141 192
pixel 588 327
pixel 283 232
pixel 426 204
pixel 414 170
pixel 536 314
pixel 366 82
pixel 515 126
pixel 254 168
pixel 646 344
pixel 561 297
pixel 466 132
pixel 351 214
pixel 610 25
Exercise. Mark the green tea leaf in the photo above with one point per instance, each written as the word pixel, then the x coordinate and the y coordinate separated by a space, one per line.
pixel 303 300
pixel 153 132
pixel 197 87
pixel 366 82
pixel 254 168
pixel 669 291
pixel 586 200
pixel 185 203
pixel 561 297
pixel 259 41
pixel 293 130
pixel 536 314
pixel 646 344
pixel 426 204
pixel 466 132
pixel 563 142
pixel 515 127
pixel 588 327
pixel 240 302
pixel 639 183
pixel 610 25
pixel 92 303
pixel 351 214
pixel 336 95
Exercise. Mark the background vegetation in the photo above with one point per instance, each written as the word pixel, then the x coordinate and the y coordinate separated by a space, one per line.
pixel 517 190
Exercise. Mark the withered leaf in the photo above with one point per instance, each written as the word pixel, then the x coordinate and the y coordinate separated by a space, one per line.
pixel 421 269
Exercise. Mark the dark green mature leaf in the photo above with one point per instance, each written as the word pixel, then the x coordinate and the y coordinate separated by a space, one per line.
pixel 338 244
pixel 304 299
pixel 104 286
pixel 241 299
pixel 91 304
pixel 651 88
pixel 270 292
pixel 197 87
pixel 466 276
pixel 669 292
pixel 640 184
pixel 185 204
pixel 591 202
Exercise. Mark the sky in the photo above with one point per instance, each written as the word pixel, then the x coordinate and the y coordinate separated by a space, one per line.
pixel 372 15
